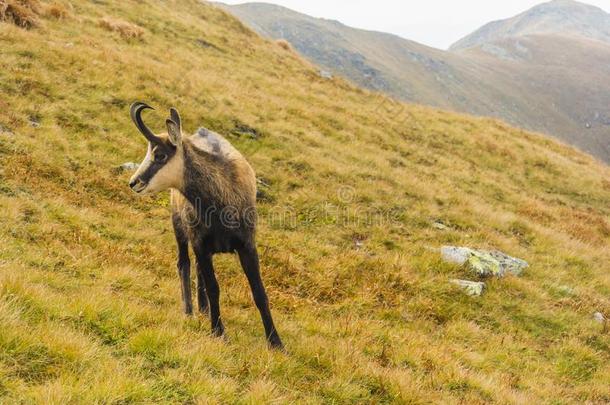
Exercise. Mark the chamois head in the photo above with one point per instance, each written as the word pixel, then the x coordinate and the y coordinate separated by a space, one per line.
pixel 163 165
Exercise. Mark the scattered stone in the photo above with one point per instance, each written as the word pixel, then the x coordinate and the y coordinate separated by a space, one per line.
pixel 203 43
pixel 599 317
pixel 115 102
pixel 440 226
pixel 261 181
pixel 472 288
pixel 206 44
pixel 566 290
pixel 34 123
pixel 263 190
pixel 262 195
pixel 241 129
pixel 484 263
pixel 129 166
pixel 325 74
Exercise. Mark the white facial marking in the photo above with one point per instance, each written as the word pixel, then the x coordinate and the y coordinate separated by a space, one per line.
pixel 169 176
pixel 144 165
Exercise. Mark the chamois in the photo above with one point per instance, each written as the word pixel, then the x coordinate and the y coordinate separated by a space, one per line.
pixel 213 200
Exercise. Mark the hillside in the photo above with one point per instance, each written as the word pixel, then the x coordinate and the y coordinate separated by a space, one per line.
pixel 351 186
pixel 568 97
pixel 562 17
pixel 540 79
pixel 375 60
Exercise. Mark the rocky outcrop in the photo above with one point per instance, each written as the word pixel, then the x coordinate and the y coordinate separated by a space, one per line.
pixel 484 263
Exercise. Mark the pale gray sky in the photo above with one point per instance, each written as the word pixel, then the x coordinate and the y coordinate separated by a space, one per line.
pixel 437 23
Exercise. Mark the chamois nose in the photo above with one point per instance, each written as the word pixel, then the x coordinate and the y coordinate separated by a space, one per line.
pixel 135 183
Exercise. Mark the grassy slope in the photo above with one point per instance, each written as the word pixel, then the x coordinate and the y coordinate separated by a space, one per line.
pixel 89 299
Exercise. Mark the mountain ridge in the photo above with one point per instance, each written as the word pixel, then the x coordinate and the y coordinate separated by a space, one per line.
pixel 491 79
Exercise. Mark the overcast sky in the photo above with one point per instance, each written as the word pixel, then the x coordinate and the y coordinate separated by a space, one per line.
pixel 437 23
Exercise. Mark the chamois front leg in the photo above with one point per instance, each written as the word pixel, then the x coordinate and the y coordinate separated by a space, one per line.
pixel 205 270
pixel 248 257
pixel 184 265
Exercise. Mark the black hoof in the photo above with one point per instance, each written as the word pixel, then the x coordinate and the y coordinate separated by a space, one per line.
pixel 275 343
pixel 218 330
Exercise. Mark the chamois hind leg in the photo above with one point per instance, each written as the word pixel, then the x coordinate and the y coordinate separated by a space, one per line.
pixel 248 257
pixel 205 269
pixel 202 295
pixel 184 264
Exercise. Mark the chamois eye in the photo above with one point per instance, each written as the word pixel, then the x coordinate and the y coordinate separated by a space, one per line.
pixel 160 157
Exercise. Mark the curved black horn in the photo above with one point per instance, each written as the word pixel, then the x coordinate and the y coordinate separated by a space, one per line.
pixel 136 116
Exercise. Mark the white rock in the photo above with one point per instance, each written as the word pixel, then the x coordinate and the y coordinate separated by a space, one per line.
pixel 599 317
pixel 440 226
pixel 565 289
pixel 457 255
pixel 324 74
pixel 484 263
pixel 129 166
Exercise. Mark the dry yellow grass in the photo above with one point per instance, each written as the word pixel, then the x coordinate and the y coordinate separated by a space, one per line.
pixel 89 297
pixel 282 43
pixel 126 29
pixel 57 10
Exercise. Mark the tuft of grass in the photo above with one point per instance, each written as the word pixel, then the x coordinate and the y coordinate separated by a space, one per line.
pixel 57 11
pixel 285 45
pixel 125 29
pixel 578 364
pixel 22 13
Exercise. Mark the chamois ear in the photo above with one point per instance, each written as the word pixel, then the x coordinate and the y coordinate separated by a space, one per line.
pixel 174 133
pixel 173 114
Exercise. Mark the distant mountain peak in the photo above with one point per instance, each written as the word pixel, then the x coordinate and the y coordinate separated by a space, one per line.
pixel 562 17
pixel 563 4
